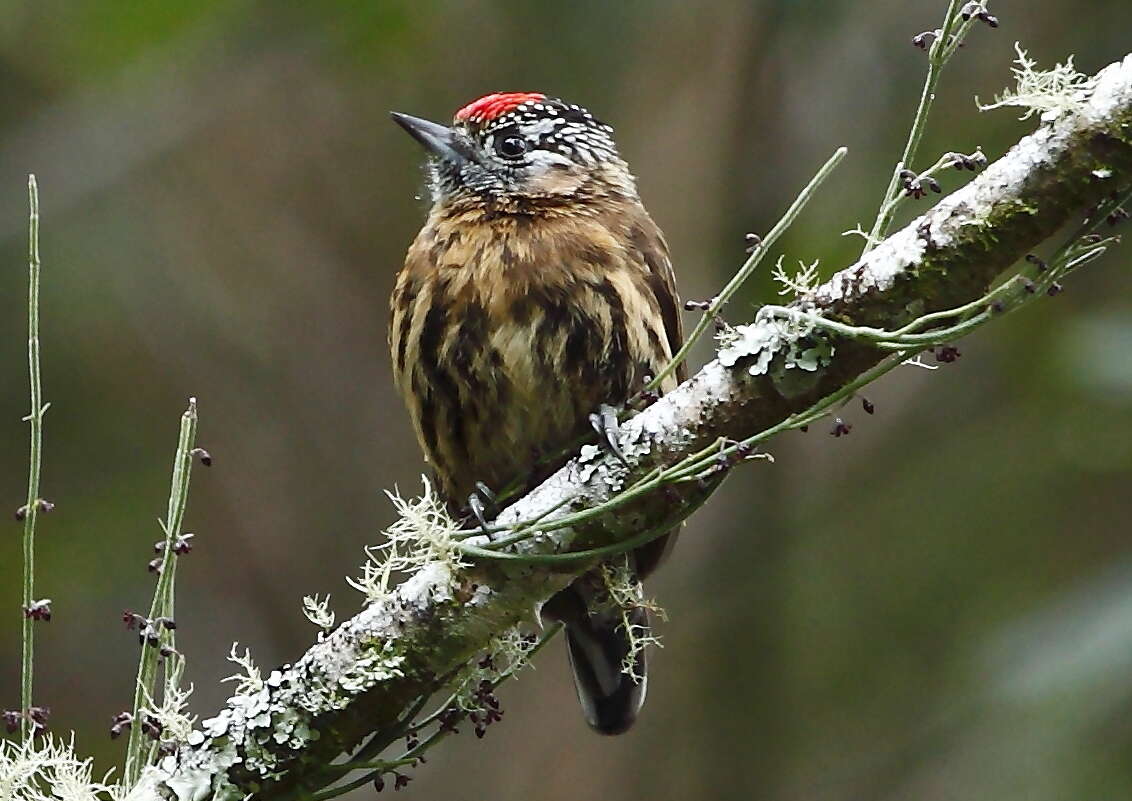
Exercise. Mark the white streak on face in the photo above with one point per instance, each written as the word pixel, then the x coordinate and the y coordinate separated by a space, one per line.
pixel 545 160
pixel 541 127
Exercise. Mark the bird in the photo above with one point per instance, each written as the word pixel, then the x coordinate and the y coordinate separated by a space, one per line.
pixel 538 290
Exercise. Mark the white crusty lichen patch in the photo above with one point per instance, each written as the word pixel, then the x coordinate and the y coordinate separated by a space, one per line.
pixel 791 335
pixel 270 719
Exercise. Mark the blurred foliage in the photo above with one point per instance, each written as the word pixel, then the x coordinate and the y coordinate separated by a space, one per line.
pixel 938 606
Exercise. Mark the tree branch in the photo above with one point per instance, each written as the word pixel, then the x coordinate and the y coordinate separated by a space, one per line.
pixel 368 674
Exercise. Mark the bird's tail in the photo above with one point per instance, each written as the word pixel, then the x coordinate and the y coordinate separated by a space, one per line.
pixel 609 672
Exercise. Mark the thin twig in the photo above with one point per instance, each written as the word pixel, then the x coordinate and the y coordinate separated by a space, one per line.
pixel 35 417
pixel 719 301
pixel 137 754
pixel 941 50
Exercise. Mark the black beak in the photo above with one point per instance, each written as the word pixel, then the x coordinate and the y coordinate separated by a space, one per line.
pixel 439 140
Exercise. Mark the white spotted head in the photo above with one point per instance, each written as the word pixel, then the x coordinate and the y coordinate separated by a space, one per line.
pixel 517 146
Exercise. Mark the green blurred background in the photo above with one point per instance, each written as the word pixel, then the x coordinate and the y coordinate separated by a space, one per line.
pixel 938 606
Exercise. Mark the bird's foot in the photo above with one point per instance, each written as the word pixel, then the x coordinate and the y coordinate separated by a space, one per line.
pixel 605 423
pixel 481 499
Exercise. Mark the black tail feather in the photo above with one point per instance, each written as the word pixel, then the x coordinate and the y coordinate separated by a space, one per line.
pixel 599 646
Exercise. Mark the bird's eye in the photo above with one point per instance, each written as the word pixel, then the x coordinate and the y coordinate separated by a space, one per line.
pixel 511 147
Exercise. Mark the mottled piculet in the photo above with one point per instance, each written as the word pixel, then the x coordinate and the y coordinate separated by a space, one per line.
pixel 538 290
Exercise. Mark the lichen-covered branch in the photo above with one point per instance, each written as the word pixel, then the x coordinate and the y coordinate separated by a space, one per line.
pixel 371 672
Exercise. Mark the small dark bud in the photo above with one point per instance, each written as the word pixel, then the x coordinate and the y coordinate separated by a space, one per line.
pixel 1029 286
pixel 1037 262
pixel 933 185
pixel 998 307
pixel 840 428
pixel 1091 239
pixel 154 565
pixel 400 781
pixel 867 405
pixel 1054 289
pixel 45 505
pixel 1118 215
pixel 182 544
pixel 21 514
pixel 448 720
pixel 989 19
pixel 923 40
pixel 149 636
pixel 947 354
pixel 753 241
pixel 696 305
pixel 152 727
pixel 132 619
pixel 11 718
pixel 204 456
pixel 158 547
pixel 39 610
pixel 379 784
pixel 803 429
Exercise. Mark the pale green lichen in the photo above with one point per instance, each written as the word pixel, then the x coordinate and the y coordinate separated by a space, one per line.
pixel 626 595
pixel 801 283
pixel 1046 92
pixel 508 653
pixel 771 335
pixel 250 679
pixel 424 533
pixel 172 713
pixel 47 769
pixel 317 611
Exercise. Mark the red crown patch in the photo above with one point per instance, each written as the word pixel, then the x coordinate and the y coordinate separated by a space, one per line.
pixel 489 107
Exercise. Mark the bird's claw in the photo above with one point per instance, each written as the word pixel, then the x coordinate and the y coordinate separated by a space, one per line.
pixel 605 423
pixel 477 506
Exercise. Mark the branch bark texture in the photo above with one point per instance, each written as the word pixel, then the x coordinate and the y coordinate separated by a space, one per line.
pixel 365 675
